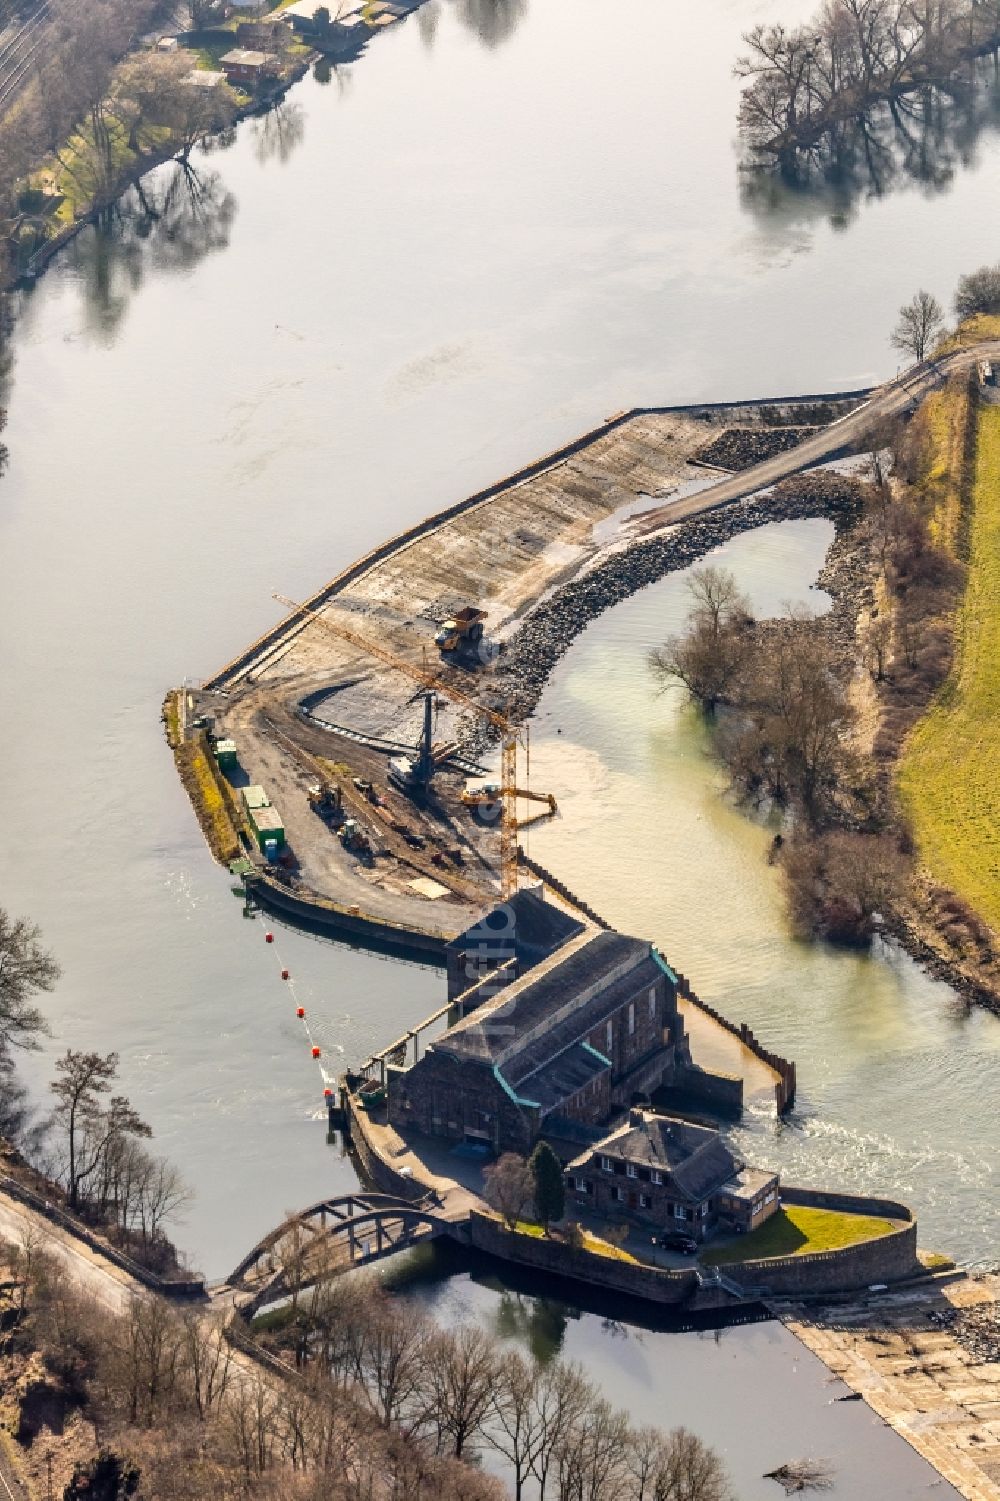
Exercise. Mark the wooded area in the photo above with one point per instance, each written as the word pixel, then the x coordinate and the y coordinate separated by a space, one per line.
pixel 95 113
pixel 854 55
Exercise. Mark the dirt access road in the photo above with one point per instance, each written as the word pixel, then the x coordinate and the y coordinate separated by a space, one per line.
pixel 896 396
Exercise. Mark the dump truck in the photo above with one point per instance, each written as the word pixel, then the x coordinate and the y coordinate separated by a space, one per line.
pixel 464 628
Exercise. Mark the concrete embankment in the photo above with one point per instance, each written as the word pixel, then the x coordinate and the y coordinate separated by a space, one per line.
pixel 916 1359
pixel 637 428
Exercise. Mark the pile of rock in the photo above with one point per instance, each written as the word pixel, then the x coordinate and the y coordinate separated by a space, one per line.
pixel 553 625
pixel 739 448
pixel 977 1330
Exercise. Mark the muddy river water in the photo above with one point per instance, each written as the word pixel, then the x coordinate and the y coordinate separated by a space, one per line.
pixel 509 219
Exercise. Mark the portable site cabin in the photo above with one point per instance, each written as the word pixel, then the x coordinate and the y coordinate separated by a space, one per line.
pixel 267 827
pixel 255 797
pixel 225 754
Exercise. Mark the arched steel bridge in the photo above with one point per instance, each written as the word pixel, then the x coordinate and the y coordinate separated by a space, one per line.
pixel 328 1238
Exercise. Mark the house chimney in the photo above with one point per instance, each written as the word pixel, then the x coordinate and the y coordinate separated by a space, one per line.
pixel 636 1117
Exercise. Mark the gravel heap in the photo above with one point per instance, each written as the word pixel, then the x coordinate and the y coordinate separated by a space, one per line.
pixel 739 448
pixel 976 1329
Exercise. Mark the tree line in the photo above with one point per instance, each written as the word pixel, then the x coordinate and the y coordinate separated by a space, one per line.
pixel 460 1394
pixel 90 1145
pixel 800 82
pixel 385 1406
pixel 96 109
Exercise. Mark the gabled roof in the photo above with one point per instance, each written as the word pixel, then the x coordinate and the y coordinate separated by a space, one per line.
pixel 562 1076
pixel 697 1158
pixel 568 995
pixel 526 926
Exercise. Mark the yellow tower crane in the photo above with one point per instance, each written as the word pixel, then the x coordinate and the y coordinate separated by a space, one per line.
pixel 509 733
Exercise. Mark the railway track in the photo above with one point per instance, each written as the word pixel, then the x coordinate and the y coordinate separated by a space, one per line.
pixel 19 49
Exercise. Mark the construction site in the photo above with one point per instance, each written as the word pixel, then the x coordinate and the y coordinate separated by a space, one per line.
pixel 356 765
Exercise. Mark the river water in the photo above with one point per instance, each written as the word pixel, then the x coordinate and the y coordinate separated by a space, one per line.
pixel 507 220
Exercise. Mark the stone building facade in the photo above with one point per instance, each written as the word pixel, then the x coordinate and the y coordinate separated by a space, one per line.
pixel 671 1175
pixel 553 1039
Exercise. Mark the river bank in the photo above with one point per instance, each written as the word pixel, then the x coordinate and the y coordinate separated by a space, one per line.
pixel 329 694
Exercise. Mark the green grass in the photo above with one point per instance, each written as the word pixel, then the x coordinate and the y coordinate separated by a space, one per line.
pixel 949 776
pixel 798 1231
pixel 592 1243
pixel 943 423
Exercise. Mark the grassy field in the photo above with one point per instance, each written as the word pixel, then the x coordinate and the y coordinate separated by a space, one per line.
pixel 949 776
pixel 972 331
pixel 944 424
pixel 797 1231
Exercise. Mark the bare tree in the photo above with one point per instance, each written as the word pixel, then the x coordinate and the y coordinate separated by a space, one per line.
pixel 463 1369
pixel 590 1457
pixel 837 883
pixel 26 969
pixel 83 1079
pixel 709 655
pixel 517 1426
pixel 978 292
pixel 920 321
pixel 561 1397
pixel 207 1360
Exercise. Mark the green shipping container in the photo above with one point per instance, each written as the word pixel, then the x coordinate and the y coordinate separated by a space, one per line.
pixel 267 826
pixel 225 754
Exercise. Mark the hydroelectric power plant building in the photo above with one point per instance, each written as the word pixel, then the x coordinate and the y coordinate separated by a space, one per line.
pixel 562 1026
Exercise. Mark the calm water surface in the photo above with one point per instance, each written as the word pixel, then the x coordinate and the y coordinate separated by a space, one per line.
pixel 754 1393
pixel 899 1089
pixel 504 222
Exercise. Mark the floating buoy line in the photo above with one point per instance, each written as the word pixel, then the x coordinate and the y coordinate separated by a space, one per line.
pixel 300 1012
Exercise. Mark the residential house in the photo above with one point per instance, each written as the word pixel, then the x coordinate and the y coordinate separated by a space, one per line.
pixel 671 1175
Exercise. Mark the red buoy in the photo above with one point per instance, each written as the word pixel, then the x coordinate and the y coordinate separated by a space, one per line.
pixel 300 1012
pixel 284 974
pixel 268 937
pixel 315 1052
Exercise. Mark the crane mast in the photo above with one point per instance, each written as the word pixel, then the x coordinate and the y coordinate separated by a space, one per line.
pixel 509 733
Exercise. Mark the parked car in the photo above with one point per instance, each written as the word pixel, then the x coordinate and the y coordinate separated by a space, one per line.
pixel 676 1240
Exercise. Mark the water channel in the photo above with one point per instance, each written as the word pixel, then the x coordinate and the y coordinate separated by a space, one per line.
pixel 444 260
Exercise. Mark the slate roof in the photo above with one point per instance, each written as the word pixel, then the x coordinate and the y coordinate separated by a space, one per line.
pixel 526 926
pixel 491 1031
pixel 697 1159
pixel 562 1076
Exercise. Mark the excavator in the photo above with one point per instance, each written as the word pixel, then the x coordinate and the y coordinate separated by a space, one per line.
pixel 486 795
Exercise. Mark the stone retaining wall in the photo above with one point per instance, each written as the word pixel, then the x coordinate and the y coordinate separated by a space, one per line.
pixel 192 1287
pixel 556 1258
pixel 889 1258
pixel 377 1169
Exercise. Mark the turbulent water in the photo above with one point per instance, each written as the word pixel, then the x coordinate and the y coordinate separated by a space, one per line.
pixel 508 219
